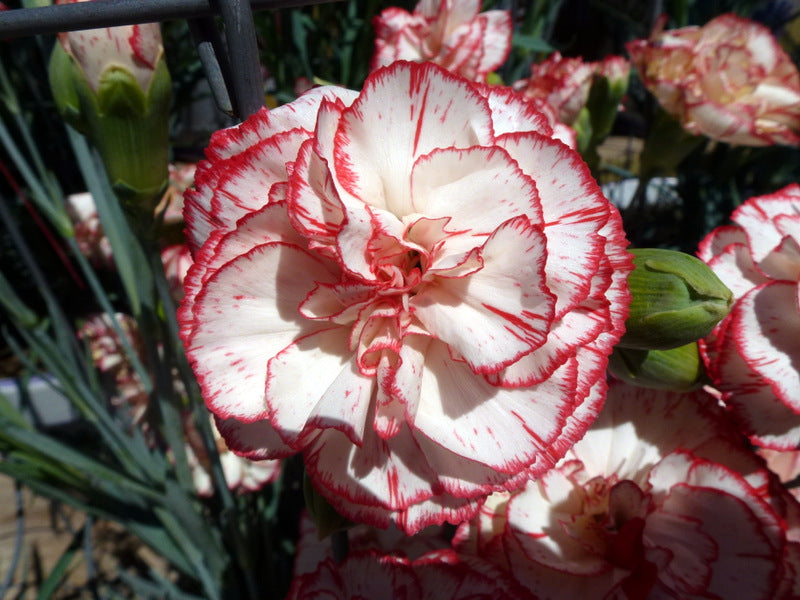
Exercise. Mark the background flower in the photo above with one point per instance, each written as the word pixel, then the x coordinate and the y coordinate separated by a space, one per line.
pixel 457 283
pixel 643 507
pixel 728 80
pixel 562 82
pixel 451 33
pixel 387 564
pixel 92 241
pixel 752 354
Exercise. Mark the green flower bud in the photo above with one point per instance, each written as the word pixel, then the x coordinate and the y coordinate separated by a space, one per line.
pixel 325 517
pixel 584 132
pixel 676 299
pixel 113 86
pixel 679 369
pixel 609 85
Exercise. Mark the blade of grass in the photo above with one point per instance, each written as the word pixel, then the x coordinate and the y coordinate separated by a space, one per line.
pixel 59 571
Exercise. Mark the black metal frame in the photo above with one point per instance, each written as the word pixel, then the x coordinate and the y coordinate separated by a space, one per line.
pixel 231 64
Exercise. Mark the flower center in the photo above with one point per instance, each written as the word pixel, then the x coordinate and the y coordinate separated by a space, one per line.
pixel 612 519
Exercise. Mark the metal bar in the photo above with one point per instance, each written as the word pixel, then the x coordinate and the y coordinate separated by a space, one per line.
pixel 240 35
pixel 214 59
pixel 21 22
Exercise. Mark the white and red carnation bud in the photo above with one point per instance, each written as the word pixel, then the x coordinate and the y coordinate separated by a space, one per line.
pixel 451 33
pixel 729 80
pixel 417 287
pixel 614 68
pixel 752 355
pixel 181 178
pixel 112 85
pixel 565 83
pixel 135 49
pixel 660 499
pixel 176 259
pixel 110 357
pixel 92 241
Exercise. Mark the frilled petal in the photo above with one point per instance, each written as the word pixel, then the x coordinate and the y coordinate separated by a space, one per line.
pixel 245 314
pixel 766 326
pixel 419 109
pixel 492 426
pixel 337 397
pixel 574 212
pixel 631 512
pixel 711 556
pixel 509 302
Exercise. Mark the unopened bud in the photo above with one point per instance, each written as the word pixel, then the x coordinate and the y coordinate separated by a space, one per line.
pixel 675 299
pixel 113 86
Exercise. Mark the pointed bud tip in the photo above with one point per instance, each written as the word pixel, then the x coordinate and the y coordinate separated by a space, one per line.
pixel 676 299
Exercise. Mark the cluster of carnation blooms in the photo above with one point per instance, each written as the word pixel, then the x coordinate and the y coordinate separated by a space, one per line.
pixel 417 287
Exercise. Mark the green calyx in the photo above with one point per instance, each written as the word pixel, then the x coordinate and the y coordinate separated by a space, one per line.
pixel 676 300
pixel 678 369
pixel 65 79
pixel 325 517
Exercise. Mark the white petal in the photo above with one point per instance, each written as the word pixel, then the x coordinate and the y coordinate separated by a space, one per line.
pixel 417 108
pixel 499 313
pixel 245 314
pixel 337 396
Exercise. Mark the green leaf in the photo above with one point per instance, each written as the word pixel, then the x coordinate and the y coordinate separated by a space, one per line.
pixel 531 43
pixel 59 571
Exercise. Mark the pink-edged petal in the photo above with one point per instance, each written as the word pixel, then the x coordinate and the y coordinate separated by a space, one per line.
pixel 502 428
pixel 256 441
pixel 712 498
pixel 249 176
pixel 419 107
pixel 245 314
pixel 302 113
pixel 502 311
pixel 448 13
pixel 759 412
pixel 734 265
pixel 784 261
pixel 767 331
pixel 399 35
pixel 314 206
pixel 574 211
pixel 390 474
pixel 337 397
pixel 579 327
pixel 757 219
pixel 145 42
pixel 512 113
pixel 383 481
pixel 458 184
pixel 718 240
pixel 537 511
pixel 403 384
pixel 496 42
